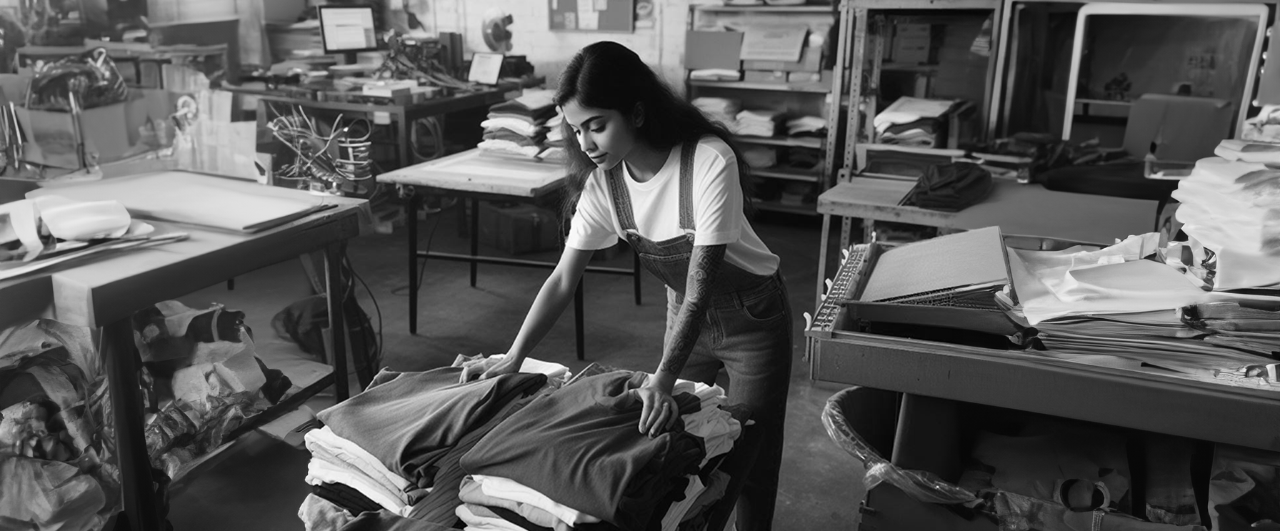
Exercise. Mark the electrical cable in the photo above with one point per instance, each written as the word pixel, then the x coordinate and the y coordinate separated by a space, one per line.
pixel 376 361
pixel 422 268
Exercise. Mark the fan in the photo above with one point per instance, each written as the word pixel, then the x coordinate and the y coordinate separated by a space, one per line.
pixel 496 35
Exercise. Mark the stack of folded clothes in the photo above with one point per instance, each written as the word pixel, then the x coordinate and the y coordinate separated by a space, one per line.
pixel 519 451
pixel 723 110
pixel 913 122
pixel 573 459
pixel 555 138
pixel 519 126
pixel 807 126
pixel 760 156
pixel 757 123
pixel 383 449
pixel 920 133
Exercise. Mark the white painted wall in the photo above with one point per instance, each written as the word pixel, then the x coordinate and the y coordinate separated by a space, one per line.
pixel 662 46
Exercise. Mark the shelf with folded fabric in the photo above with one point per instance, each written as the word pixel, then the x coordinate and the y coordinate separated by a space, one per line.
pixel 783 141
pixel 786 173
pixel 814 88
pixel 763 9
pixel 788 208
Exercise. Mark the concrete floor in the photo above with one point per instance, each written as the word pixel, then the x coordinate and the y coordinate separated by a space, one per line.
pixel 258 484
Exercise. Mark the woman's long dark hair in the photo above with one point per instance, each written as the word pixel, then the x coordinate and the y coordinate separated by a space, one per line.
pixel 608 75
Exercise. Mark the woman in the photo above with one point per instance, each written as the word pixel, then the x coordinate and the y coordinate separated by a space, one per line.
pixel 650 168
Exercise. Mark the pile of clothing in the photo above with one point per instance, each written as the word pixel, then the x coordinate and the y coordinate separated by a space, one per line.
pixel 56 464
pixel 1231 211
pixel 807 126
pixel 530 469
pixel 519 126
pixel 723 110
pixel 913 122
pixel 760 156
pixel 756 123
pixel 529 450
pixel 555 137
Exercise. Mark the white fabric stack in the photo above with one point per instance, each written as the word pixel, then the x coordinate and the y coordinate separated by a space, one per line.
pixel 805 125
pixel 723 110
pixel 1231 206
pixel 757 123
pixel 717 428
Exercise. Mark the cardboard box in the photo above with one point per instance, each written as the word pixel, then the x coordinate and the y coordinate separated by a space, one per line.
pixel 765 76
pixel 518 228
pixel 1181 128
pixel 145 120
pixel 912 43
pixel 712 49
pixel 810 61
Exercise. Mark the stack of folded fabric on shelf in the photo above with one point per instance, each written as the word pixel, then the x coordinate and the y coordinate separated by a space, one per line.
pixel 555 137
pixel 529 469
pixel 519 126
pixel 757 123
pixel 715 74
pixel 807 126
pixel 723 110
pixel 1231 211
pixel 913 122
pixel 760 156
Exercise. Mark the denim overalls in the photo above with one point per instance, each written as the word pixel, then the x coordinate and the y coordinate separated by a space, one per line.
pixel 747 331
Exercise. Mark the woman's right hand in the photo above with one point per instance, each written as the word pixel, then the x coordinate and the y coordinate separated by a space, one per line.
pixel 489 367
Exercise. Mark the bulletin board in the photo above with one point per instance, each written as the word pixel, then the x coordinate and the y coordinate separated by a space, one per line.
pixel 592 15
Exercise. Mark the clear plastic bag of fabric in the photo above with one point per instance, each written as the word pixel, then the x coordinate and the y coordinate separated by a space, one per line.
pixel 91 76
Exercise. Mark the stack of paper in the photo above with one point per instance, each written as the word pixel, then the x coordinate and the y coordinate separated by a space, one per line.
pixel 1231 206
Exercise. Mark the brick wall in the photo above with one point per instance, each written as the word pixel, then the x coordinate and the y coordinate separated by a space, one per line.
pixel 662 46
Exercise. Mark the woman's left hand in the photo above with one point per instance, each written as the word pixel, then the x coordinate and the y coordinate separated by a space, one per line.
pixel 659 412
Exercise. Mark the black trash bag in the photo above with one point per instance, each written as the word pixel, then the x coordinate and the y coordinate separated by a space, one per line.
pixel 950 187
pixel 92 76
pixel 303 322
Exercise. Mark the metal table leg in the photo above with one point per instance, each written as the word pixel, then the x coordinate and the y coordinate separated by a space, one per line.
pixel 411 222
pixel 121 361
pixel 335 291
pixel 475 237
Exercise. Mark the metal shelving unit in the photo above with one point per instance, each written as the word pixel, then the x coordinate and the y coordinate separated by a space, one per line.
pixel 822 177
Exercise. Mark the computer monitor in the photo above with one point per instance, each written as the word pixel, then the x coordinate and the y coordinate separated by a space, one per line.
pixel 347 30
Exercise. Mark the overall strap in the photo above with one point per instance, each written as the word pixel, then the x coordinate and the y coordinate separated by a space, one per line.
pixel 621 198
pixel 686 184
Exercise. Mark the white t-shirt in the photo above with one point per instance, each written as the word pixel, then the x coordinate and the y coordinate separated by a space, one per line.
pixel 717 208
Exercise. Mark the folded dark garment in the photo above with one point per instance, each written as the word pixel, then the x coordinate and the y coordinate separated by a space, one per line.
pixel 950 187
pixel 345 497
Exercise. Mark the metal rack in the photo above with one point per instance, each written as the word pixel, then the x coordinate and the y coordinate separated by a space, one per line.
pixel 825 178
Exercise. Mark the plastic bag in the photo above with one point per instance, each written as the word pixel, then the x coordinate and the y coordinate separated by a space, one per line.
pixel 91 76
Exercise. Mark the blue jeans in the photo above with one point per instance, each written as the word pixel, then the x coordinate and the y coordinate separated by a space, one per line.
pixel 749 334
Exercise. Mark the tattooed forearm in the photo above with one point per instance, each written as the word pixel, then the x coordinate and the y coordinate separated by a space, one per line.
pixel 704 267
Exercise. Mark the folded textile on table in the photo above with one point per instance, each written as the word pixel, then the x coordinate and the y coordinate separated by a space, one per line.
pixel 409 420
pixel 592 420
pixel 920 133
pixel 516 109
pixel 386 521
pixel 515 125
pixel 950 187
pixel 345 497
pixel 471 492
pixel 515 138
pixel 319 514
pixel 509 147
pixel 326 446
pixel 479 518
pixel 321 473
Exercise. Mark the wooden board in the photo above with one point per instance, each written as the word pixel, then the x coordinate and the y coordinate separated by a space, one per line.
pixel 196 199
pixel 473 171
pixel 1019 210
